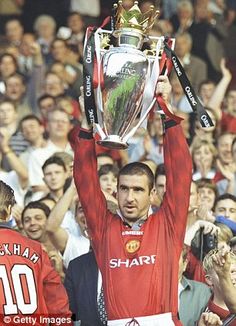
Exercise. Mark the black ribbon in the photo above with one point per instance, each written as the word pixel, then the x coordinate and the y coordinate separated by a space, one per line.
pixel 88 72
pixel 193 99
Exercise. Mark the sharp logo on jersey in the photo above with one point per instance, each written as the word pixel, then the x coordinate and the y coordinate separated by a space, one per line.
pixel 132 232
pixel 132 246
pixel 128 263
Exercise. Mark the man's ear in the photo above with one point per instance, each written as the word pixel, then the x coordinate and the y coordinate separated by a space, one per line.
pixel 153 193
pixel 209 281
pixel 9 209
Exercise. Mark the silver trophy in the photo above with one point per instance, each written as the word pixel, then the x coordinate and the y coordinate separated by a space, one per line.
pixel 126 75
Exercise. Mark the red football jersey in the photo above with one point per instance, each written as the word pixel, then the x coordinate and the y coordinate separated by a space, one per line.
pixel 28 283
pixel 139 267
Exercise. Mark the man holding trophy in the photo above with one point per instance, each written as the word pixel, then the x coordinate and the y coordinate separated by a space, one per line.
pixel 137 251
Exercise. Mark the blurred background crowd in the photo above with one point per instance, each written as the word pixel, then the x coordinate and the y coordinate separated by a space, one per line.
pixel 41 63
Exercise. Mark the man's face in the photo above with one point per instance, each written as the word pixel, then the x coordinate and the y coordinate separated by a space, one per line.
pixel 231 103
pixel 14 31
pixel 7 66
pixel 182 46
pixel 46 105
pixel 32 130
pixel 161 185
pixel 225 148
pixel 75 23
pixel 207 196
pixel 215 279
pixel 34 223
pixel 8 114
pixel 134 196
pixel 53 85
pixel 206 91
pixel 54 177
pixel 227 208
pixel 80 218
pixel 58 125
pixel 59 50
pixel 108 182
pixel 193 200
pixel 25 46
pixel 15 88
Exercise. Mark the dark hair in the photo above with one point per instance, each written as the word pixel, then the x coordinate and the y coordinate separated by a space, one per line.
pixel 43 97
pixel 17 75
pixel 36 205
pixel 207 183
pixel 60 40
pixel 5 54
pixel 205 82
pixel 160 170
pixel 223 197
pixel 7 199
pixel 54 160
pixel 29 117
pixel 106 168
pixel 6 99
pixel 104 155
pixel 138 168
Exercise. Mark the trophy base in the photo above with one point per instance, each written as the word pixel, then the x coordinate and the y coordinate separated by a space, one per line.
pixel 113 142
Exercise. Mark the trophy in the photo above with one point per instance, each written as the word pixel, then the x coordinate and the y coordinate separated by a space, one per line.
pixel 119 77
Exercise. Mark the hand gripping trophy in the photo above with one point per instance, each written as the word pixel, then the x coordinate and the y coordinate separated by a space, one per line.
pixel 119 77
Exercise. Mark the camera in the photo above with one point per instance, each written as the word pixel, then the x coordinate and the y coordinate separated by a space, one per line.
pixel 203 243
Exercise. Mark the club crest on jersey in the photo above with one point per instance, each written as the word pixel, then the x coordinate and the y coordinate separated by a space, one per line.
pixel 132 246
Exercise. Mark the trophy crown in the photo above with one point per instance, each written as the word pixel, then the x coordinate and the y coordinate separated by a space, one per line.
pixel 134 18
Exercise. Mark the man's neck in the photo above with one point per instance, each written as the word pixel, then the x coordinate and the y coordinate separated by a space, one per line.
pixel 218 300
pixel 59 142
pixel 39 143
pixel 56 194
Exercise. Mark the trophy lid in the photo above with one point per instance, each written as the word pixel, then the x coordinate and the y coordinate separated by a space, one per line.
pixel 134 18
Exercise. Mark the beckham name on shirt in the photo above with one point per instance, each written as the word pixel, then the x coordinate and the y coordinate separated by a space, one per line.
pixel 127 263
pixel 18 251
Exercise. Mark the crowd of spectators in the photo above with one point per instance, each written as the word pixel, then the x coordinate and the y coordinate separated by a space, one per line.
pixel 41 67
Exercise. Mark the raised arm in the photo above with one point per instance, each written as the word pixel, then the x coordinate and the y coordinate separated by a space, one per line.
pixel 218 95
pixel 15 163
pixel 222 265
pixel 56 233
pixel 178 167
pixel 87 181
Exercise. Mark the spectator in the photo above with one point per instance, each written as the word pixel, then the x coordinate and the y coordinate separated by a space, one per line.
pixel 8 66
pixel 14 32
pixel 204 154
pixel 46 103
pixel 55 175
pixel 217 304
pixel 225 157
pixel 16 92
pixel 191 291
pixel 70 245
pixel 108 178
pixel 32 131
pixel 58 129
pixel 45 29
pixel 9 121
pixel 17 176
pixel 194 67
pixel 76 25
pixel 222 263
